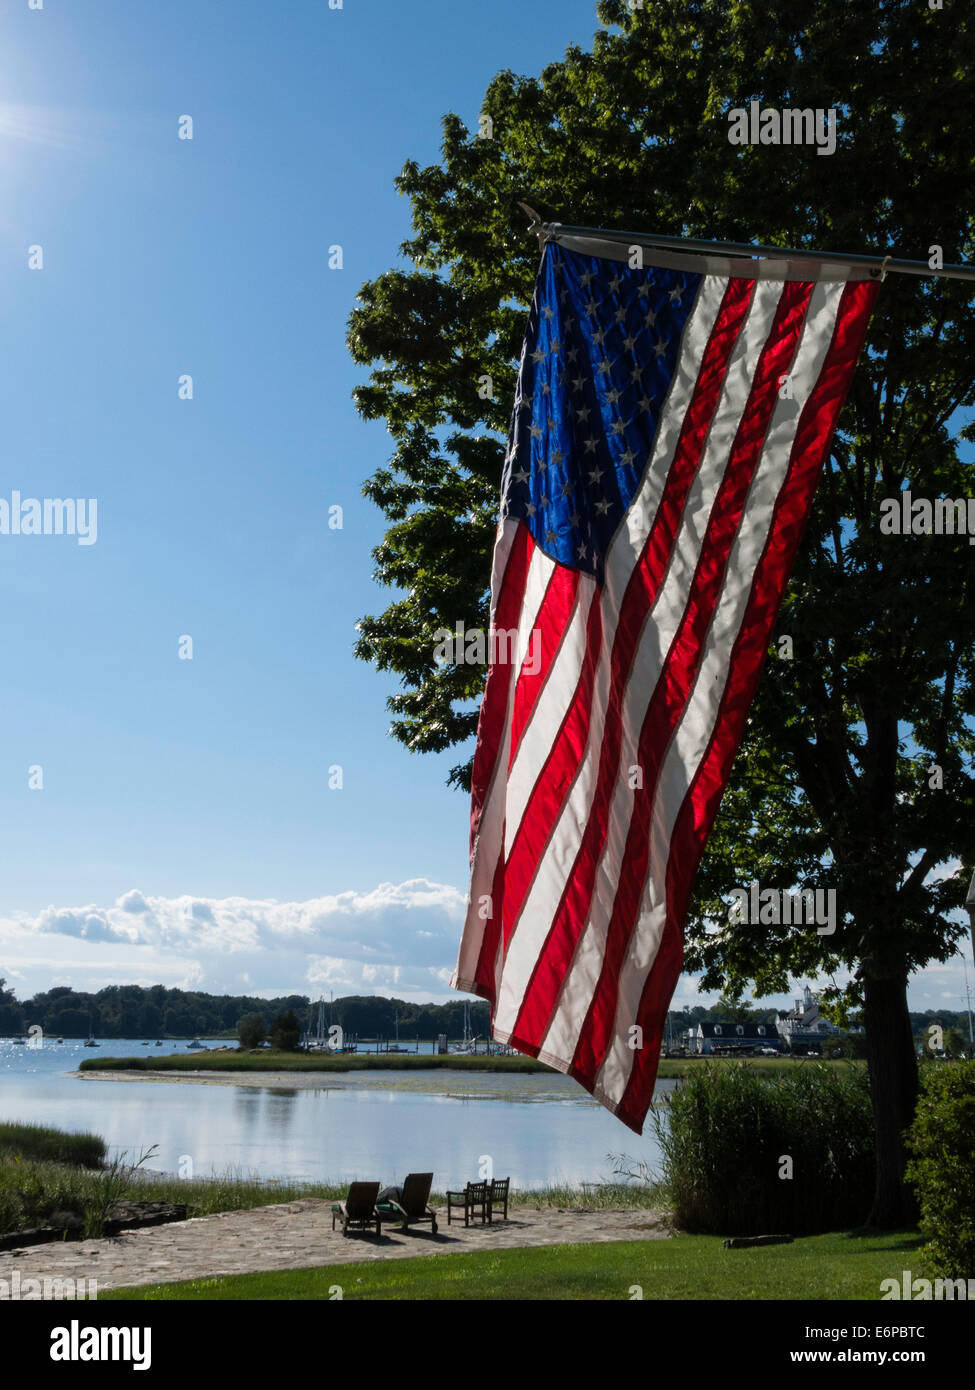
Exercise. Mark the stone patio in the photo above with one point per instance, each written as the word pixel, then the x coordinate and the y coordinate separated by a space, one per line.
pixel 295 1235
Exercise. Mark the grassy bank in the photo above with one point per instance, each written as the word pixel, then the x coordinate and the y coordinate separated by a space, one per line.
pixel 264 1060
pixel 838 1266
pixel 28 1141
pixel 41 1193
pixel 47 1174
pixel 679 1067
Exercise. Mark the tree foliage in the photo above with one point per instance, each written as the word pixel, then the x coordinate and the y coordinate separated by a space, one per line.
pixel 251 1030
pixel 285 1031
pixel 64 1012
pixel 942 1167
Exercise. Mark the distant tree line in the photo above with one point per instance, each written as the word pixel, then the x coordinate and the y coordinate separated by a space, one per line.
pixel 131 1011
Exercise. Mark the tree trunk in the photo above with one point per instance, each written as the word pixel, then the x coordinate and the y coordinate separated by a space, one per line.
pixel 892 1067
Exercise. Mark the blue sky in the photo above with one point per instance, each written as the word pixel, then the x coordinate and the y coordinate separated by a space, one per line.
pixel 209 778
pixel 204 785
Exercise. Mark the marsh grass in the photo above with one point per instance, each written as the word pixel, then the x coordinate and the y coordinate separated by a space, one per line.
pixel 32 1192
pixel 32 1141
pixel 747 1153
pixel 602 1196
pixel 264 1060
pixel 111 1187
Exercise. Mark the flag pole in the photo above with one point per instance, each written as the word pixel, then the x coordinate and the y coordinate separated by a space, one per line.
pixel 880 266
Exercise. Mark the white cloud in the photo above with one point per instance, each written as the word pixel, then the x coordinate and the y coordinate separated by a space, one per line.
pixel 395 938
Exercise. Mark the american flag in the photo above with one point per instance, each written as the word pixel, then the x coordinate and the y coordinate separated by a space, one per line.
pixel 670 425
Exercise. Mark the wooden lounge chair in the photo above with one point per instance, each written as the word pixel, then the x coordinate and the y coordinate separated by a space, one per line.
pixel 498 1197
pixel 358 1211
pixel 412 1208
pixel 473 1199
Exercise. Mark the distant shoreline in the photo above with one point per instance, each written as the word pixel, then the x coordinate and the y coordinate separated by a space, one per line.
pixel 290 1079
pixel 297 1063
pixel 300 1069
pixel 470 1084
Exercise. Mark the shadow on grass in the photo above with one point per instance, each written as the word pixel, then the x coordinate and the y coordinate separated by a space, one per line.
pixel 911 1240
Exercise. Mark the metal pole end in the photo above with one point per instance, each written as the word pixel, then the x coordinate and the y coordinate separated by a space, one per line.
pixel 536 224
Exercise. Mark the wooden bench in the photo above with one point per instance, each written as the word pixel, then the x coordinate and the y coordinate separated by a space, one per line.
pixel 498 1197
pixel 480 1197
pixel 473 1199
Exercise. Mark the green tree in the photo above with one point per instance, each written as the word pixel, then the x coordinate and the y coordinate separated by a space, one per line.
pixel 150 1020
pixel 179 1022
pixel 849 1045
pixel 734 1010
pixel 285 1031
pixel 856 768
pixel 68 1023
pixel 956 1044
pixel 11 1013
pixel 251 1030
pixel 942 1168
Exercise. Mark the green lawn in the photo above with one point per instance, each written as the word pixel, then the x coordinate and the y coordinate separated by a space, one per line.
pixel 840 1266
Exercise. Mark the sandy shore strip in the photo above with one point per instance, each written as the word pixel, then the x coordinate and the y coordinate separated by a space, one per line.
pixel 296 1080
pixel 291 1080
pixel 297 1235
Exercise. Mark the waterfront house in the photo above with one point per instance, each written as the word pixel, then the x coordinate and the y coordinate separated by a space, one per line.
pixel 716 1039
pixel 801 1028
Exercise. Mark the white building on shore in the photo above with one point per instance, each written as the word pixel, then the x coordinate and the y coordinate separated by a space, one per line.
pixel 717 1039
pixel 801 1028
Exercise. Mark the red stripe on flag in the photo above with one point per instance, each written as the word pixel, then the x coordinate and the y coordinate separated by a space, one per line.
pixel 699 810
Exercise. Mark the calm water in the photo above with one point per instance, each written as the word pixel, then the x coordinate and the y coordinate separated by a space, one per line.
pixel 538 1128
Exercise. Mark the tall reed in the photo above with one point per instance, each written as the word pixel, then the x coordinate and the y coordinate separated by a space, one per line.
pixel 746 1153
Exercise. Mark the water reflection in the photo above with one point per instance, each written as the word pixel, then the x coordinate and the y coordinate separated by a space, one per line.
pixel 538 1128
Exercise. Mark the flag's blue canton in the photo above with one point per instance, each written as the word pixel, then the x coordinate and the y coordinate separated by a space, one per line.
pixel 599 354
